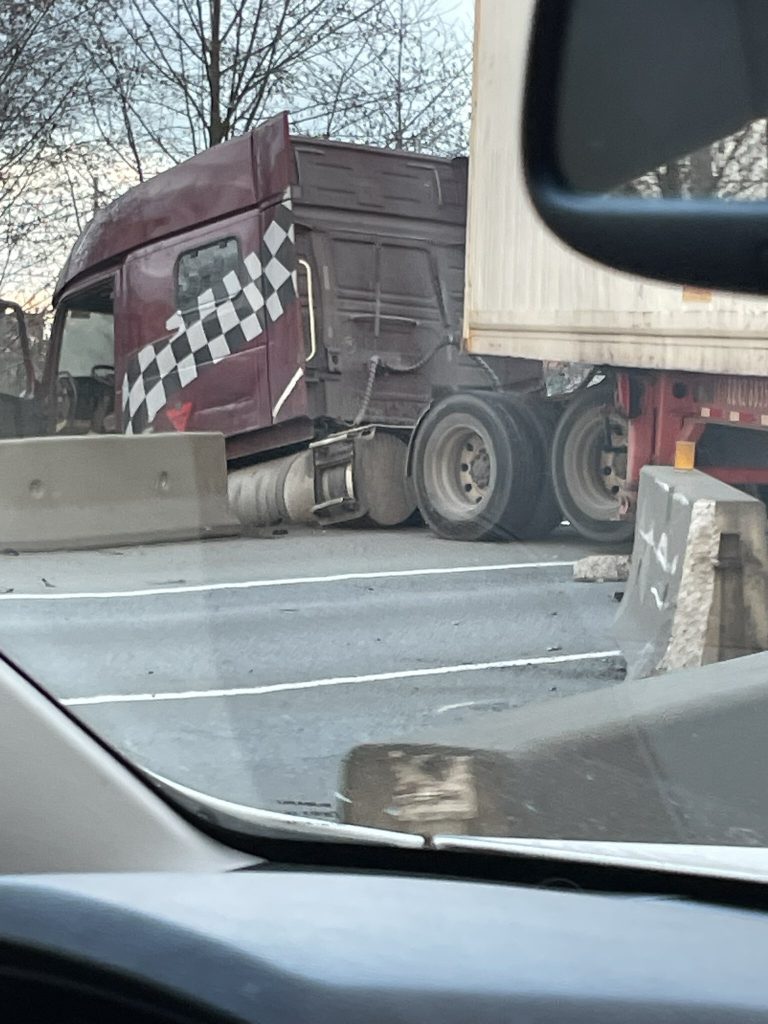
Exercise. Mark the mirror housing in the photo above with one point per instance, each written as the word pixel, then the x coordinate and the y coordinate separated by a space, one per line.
pixel 616 90
pixel 15 310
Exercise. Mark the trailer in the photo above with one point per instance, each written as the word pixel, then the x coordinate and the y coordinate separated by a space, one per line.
pixel 634 372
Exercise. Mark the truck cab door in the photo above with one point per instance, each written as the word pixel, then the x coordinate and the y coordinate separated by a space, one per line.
pixel 20 412
pixel 196 339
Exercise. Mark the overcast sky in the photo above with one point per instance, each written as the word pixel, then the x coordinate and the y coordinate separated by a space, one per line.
pixel 459 8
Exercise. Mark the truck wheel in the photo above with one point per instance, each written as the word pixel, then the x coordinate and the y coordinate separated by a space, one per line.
pixel 474 470
pixel 542 418
pixel 588 471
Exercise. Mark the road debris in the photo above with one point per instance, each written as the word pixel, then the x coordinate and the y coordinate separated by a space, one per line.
pixel 602 569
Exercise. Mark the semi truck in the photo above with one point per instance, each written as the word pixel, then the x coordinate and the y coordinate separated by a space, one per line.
pixel 371 350
pixel 303 298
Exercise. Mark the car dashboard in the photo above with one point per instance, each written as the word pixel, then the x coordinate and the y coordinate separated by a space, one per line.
pixel 299 947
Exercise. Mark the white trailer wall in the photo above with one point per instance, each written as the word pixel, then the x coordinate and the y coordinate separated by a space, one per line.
pixel 529 296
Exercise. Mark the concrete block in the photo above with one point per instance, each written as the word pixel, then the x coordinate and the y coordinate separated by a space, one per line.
pixel 420 789
pixel 698 586
pixel 602 569
pixel 99 490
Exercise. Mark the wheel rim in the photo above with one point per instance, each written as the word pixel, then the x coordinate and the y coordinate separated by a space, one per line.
pixel 459 468
pixel 595 470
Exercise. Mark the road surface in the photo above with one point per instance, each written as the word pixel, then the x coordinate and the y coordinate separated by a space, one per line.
pixel 248 667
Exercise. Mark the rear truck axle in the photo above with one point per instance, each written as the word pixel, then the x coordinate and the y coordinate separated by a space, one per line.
pixel 480 468
pixel 493 465
pixel 500 466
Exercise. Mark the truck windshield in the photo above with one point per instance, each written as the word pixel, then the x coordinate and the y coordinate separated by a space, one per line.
pixel 87 340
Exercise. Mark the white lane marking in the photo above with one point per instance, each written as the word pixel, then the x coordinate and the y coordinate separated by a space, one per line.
pixel 292 581
pixel 314 684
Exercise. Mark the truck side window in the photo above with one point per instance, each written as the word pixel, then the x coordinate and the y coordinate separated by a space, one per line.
pixel 88 331
pixel 197 270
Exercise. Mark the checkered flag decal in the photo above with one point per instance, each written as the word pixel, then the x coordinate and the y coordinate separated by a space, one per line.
pixel 228 317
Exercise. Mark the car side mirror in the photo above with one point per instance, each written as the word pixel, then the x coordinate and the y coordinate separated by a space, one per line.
pixel 645 139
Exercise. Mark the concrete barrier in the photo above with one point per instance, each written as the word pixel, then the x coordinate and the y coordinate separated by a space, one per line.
pixel 676 759
pixel 698 587
pixel 423 789
pixel 76 492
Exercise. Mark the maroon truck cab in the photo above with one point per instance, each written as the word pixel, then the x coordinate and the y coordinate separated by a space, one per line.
pixel 248 291
pixel 177 307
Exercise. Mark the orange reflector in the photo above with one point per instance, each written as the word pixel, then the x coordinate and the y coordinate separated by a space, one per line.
pixel 685 455
pixel 179 417
pixel 691 294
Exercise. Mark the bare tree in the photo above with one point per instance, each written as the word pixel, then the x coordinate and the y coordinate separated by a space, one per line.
pixel 183 75
pixel 97 95
pixel 41 71
pixel 406 85
pixel 735 167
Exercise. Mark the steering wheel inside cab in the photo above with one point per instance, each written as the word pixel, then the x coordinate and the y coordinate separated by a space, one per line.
pixel 86 405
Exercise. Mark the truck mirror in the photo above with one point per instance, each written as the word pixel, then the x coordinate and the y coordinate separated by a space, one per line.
pixel 645 137
pixel 17 376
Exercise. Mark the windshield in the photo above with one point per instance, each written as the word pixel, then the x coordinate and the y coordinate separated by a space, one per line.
pixel 369 501
pixel 87 340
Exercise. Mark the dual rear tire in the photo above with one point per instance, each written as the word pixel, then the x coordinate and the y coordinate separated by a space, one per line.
pixel 478 470
pixel 506 467
pixel 589 465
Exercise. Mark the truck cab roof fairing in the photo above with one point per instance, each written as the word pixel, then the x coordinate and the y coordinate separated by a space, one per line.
pixel 256 168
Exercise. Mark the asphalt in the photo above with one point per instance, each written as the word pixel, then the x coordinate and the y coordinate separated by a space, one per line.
pixel 249 667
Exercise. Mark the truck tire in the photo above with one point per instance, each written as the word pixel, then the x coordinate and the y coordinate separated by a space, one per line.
pixel 587 476
pixel 474 469
pixel 542 418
